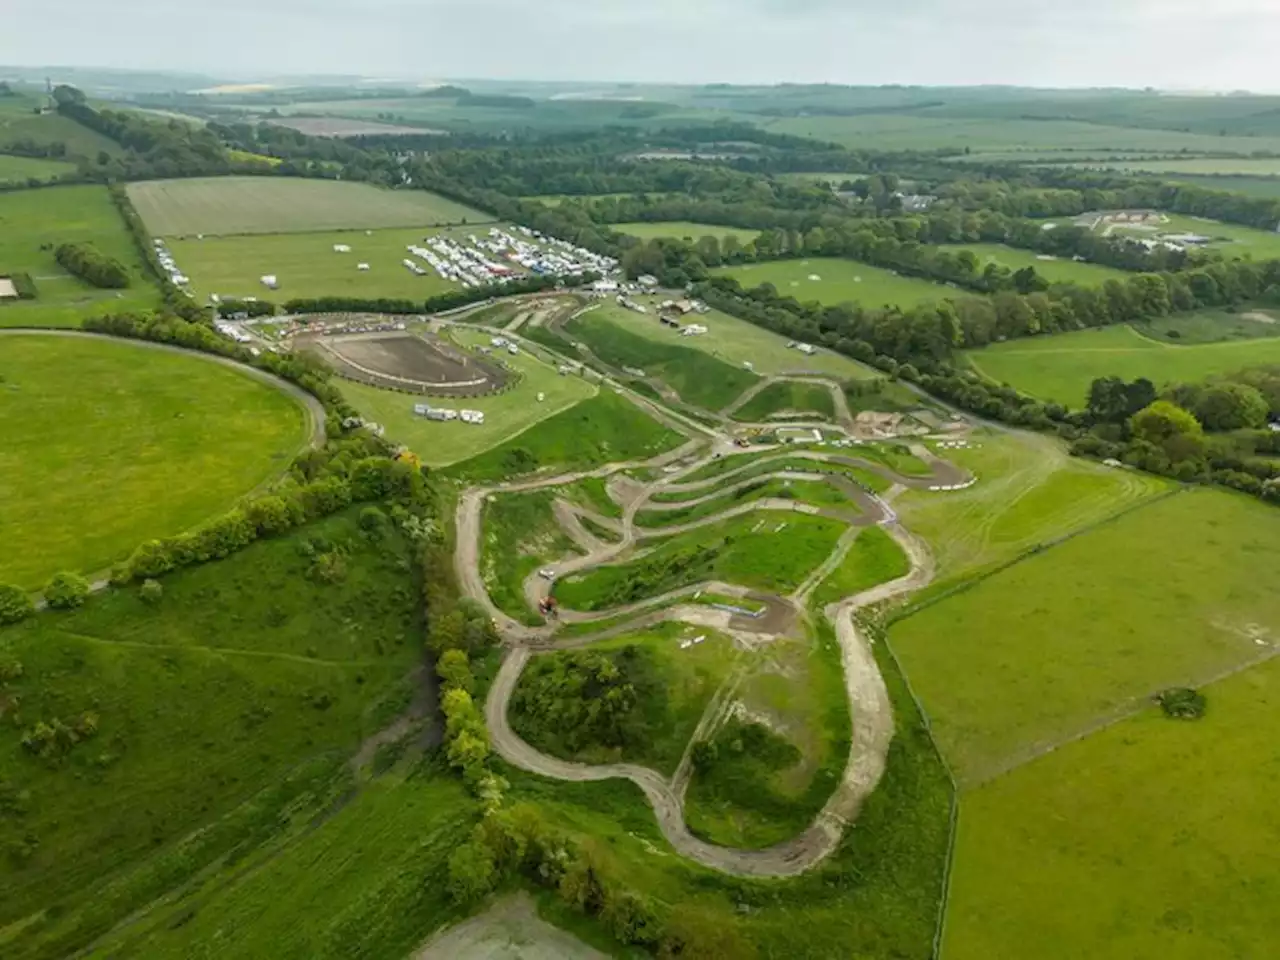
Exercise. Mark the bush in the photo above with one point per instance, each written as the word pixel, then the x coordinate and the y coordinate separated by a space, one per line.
pixel 66 591
pixel 92 266
pixel 1182 703
pixel 151 592
pixel 15 605
pixel 23 285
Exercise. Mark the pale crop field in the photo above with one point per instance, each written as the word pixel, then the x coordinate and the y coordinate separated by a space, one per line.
pixel 1061 367
pixel 216 206
pixel 1171 594
pixel 833 281
pixel 1154 838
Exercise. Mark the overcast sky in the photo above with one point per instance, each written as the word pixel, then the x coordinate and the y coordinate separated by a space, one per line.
pixel 1173 44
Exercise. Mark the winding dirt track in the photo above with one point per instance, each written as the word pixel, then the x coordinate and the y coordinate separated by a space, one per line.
pixel 870 706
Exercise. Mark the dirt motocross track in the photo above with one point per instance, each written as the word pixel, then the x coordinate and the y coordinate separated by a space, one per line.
pixel 870 707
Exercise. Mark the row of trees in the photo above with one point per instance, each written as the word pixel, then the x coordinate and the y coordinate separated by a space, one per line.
pixel 440 303
pixel 92 265
pixel 931 333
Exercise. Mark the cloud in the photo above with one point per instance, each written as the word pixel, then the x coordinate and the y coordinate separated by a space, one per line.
pixel 1219 44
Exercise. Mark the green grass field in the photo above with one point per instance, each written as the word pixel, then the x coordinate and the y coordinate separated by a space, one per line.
pixel 366 891
pixel 603 429
pixel 839 281
pixel 1040 652
pixel 506 415
pixel 236 205
pixel 52 128
pixel 22 169
pixel 687 678
pixel 1213 326
pixel 737 342
pixel 771 550
pixel 306 265
pixel 788 398
pixel 699 379
pixel 33 223
pixel 907 132
pixel 1176 169
pixel 1268 187
pixel 1054 270
pixel 229 707
pixel 1062 367
pixel 1146 839
pixel 520 535
pixel 1029 492
pixel 108 443
pixel 875 558
pixel 819 493
pixel 684 230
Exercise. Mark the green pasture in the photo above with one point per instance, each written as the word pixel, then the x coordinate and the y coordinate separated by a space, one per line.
pixel 507 415
pixel 839 281
pixel 788 398
pixel 874 558
pixel 365 891
pixel 698 378
pixel 1268 187
pixel 684 230
pixel 738 342
pixel 1088 630
pixel 1053 269
pixel 556 199
pixel 1061 367
pixel 33 223
pixel 224 710
pixel 109 443
pixel 686 678
pixel 216 206
pixel 305 265
pixel 1150 838
pixel 22 169
pixel 1171 169
pixel 521 535
pixel 1029 492
pixel 901 131
pixel 1213 326
pixel 817 493
pixel 53 128
pixel 769 550
pixel 602 429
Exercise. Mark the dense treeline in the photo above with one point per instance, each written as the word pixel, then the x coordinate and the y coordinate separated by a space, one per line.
pixel 175 300
pixel 25 147
pixel 1211 432
pixel 23 286
pixel 92 265
pixel 438 304
pixel 1067 192
pixel 932 332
